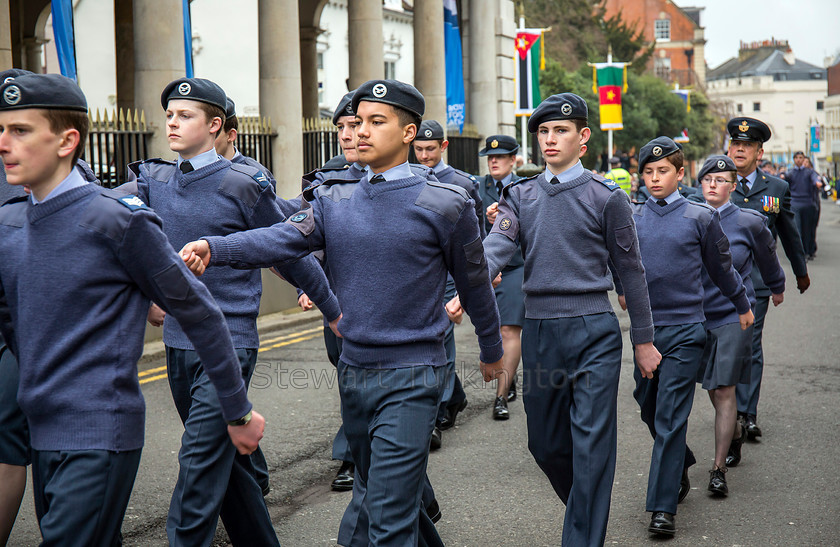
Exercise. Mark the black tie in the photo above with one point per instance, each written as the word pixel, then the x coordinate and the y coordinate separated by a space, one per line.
pixel 377 178
pixel 499 187
pixel 186 167
pixel 555 180
pixel 661 202
pixel 746 184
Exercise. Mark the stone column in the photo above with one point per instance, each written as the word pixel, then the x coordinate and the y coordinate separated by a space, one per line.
pixel 5 36
pixel 365 38
pixel 309 70
pixel 429 55
pixel 158 59
pixel 32 51
pixel 280 89
pixel 124 41
pixel 482 109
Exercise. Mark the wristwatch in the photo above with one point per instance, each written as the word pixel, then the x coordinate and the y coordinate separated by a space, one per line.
pixel 241 421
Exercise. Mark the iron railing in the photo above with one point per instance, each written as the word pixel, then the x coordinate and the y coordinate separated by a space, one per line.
pixel 320 142
pixel 254 139
pixel 114 143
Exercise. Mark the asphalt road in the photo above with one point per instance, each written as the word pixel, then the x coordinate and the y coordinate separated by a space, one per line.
pixel 786 491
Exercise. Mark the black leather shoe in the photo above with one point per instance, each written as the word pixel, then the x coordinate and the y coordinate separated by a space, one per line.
pixel 500 409
pixel 343 480
pixel 662 523
pixel 436 439
pixel 512 392
pixel 753 431
pixel 451 413
pixel 433 510
pixel 685 486
pixel 733 456
pixel 717 482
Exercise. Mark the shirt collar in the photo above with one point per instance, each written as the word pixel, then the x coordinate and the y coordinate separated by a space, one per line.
pixel 750 179
pixel 724 207
pixel 201 160
pixel 439 167
pixel 236 154
pixel 401 171
pixel 674 196
pixel 73 180
pixel 505 181
pixel 569 174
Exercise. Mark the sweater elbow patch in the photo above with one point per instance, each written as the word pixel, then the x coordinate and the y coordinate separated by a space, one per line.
pixel 624 237
pixel 181 300
pixel 477 271
pixel 723 250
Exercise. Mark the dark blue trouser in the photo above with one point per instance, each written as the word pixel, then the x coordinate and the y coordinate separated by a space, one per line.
pixel 806 220
pixel 340 449
pixel 81 495
pixel 666 402
pixel 389 415
pixel 14 433
pixel 571 368
pixel 747 394
pixel 453 391
pixel 214 479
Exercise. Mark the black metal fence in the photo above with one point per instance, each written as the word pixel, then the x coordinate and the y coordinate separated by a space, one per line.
pixel 320 142
pixel 114 143
pixel 463 150
pixel 254 139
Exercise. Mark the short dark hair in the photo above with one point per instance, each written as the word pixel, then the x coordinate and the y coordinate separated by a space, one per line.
pixel 677 159
pixel 798 153
pixel 407 118
pixel 61 120
pixel 212 111
pixel 231 123
pixel 580 123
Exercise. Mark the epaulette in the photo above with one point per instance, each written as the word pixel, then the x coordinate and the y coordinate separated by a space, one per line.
pixel 467 175
pixel 129 201
pixel 256 174
pixel 606 182
pixel 753 213
pixel 16 199
pixel 158 168
pixel 309 193
pixel 11 215
pixel 430 199
pixel 695 198
pixel 513 183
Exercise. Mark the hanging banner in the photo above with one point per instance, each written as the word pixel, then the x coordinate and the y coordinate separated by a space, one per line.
pixel 609 81
pixel 188 69
pixel 685 95
pixel 65 43
pixel 455 103
pixel 530 59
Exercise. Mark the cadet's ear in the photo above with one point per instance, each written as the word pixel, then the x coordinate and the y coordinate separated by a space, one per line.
pixel 409 132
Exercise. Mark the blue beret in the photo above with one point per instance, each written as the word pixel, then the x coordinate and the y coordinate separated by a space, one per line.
pixel 748 129
pixel 12 73
pixel 655 150
pixel 230 108
pixel 42 91
pixel 430 130
pixel 563 106
pixel 717 164
pixel 496 145
pixel 344 108
pixel 391 92
pixel 194 89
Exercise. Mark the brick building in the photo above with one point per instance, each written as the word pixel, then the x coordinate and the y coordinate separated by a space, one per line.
pixel 679 54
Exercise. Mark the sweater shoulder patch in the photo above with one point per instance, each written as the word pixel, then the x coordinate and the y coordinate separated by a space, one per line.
pixel 110 212
pixel 13 212
pixel 506 189
pixel 606 182
pixel 698 211
pixel 156 168
pixel 252 171
pixel 446 200
pixel 751 219
pixel 333 189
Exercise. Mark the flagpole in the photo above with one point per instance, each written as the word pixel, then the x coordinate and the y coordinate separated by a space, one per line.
pixel 609 131
pixel 523 120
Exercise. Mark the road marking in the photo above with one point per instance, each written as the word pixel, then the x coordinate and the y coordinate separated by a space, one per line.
pixel 152 375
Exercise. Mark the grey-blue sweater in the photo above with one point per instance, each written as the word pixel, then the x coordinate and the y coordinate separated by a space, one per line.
pixel 210 201
pixel 749 237
pixel 77 275
pixel 677 241
pixel 569 234
pixel 388 248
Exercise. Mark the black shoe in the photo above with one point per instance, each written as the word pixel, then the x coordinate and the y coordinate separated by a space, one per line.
pixel 512 392
pixel 451 413
pixel 433 510
pixel 733 457
pixel 343 480
pixel 753 431
pixel 500 409
pixel 685 486
pixel 662 523
pixel 436 439
pixel 717 482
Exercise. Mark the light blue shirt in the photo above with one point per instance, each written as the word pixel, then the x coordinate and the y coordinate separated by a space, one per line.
pixel 569 174
pixel 439 167
pixel 73 180
pixel 401 171
pixel 671 198
pixel 202 160
pixel 505 181
pixel 750 179
pixel 725 206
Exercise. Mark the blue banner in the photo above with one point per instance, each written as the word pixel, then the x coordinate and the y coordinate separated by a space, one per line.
pixel 815 139
pixel 65 44
pixel 454 66
pixel 188 40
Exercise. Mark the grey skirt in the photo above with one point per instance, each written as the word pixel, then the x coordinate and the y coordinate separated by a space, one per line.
pixel 726 359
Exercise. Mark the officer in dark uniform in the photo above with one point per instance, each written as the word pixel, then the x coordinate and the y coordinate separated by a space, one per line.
pixel 771 196
pixel 500 151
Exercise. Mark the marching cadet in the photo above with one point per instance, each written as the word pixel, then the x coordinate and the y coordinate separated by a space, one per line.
pixel 726 359
pixel 429 146
pixel 226 148
pixel 204 193
pixel 500 151
pixel 571 224
pixel 770 196
pixel 409 232
pixel 678 238
pixel 78 341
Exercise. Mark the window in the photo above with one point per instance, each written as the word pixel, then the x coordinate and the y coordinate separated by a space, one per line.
pixel 820 105
pixel 320 61
pixel 662 30
pixel 662 68
pixel 740 108
pixel 390 70
pixel 756 107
